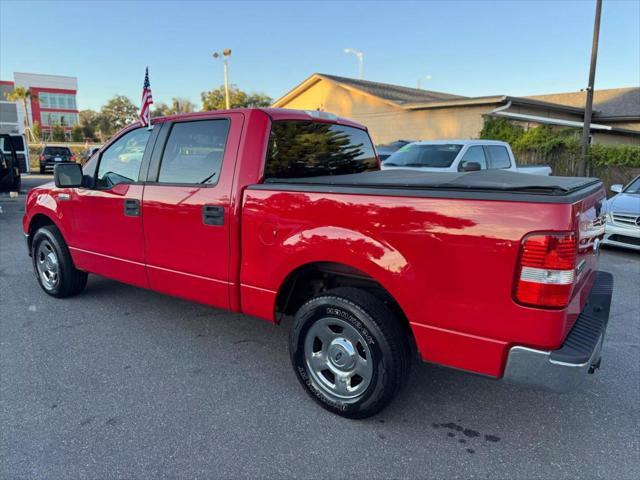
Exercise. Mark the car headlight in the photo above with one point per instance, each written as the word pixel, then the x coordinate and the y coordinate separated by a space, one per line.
pixel 608 218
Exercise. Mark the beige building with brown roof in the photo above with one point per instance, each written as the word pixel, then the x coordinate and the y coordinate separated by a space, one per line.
pixel 393 112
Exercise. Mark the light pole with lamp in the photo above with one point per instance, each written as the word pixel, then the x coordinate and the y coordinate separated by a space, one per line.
pixel 226 53
pixel 360 56
pixel 427 78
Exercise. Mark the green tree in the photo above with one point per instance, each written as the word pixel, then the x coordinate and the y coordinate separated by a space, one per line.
pixel 77 133
pixel 178 105
pixel 215 99
pixel 118 112
pixel 21 94
pixel 181 105
pixel 89 121
pixel 57 133
pixel 160 109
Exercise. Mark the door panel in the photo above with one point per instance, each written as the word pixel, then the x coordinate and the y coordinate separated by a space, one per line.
pixel 104 239
pixel 186 226
pixel 107 236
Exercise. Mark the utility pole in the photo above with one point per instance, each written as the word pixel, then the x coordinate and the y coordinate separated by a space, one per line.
pixel 360 56
pixel 226 53
pixel 588 109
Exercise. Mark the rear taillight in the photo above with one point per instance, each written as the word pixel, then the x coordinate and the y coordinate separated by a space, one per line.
pixel 41 157
pixel 546 272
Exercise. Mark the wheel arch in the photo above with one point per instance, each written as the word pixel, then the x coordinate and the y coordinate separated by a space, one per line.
pixel 36 222
pixel 312 278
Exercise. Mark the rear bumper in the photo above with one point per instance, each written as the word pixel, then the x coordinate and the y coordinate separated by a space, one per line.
pixel 564 369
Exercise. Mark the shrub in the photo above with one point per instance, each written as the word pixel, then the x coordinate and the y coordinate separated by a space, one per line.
pixel 546 140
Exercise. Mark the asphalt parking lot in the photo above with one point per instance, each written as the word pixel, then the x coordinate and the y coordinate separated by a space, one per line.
pixel 121 382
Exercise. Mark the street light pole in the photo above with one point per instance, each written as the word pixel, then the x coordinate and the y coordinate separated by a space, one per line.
pixel 360 56
pixel 588 109
pixel 226 53
pixel 428 77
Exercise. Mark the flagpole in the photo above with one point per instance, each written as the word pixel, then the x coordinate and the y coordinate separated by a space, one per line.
pixel 149 126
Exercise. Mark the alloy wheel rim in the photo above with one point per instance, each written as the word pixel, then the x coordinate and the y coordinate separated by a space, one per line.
pixel 47 265
pixel 338 359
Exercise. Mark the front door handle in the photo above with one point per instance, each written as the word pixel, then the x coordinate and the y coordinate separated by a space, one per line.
pixel 213 215
pixel 131 207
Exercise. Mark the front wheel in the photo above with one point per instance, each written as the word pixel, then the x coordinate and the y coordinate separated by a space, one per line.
pixel 349 351
pixel 53 265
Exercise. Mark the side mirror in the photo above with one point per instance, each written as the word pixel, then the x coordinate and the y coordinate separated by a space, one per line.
pixel 617 188
pixel 67 175
pixel 471 167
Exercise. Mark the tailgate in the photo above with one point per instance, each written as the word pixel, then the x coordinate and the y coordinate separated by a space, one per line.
pixel 589 216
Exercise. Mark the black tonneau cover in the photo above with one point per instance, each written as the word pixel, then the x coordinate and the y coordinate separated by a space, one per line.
pixel 481 185
pixel 483 180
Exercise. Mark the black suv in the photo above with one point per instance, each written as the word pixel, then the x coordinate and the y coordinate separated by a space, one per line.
pixel 50 156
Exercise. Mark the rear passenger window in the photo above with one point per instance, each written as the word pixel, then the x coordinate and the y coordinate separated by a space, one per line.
pixel 475 154
pixel 300 149
pixel 194 152
pixel 499 157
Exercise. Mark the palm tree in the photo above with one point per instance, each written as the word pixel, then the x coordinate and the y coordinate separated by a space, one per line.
pixel 22 94
pixel 181 105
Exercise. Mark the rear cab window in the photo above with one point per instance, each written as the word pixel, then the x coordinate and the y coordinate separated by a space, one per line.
pixel 57 151
pixel 299 149
pixel 498 157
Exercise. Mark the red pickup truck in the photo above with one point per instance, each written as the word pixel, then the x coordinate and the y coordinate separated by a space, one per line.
pixel 274 212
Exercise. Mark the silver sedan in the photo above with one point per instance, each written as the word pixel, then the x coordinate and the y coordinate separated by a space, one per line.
pixel 622 216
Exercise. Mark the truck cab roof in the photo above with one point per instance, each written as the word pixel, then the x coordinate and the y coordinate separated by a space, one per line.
pixel 276 114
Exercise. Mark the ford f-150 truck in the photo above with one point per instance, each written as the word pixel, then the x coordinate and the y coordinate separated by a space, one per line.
pixel 275 212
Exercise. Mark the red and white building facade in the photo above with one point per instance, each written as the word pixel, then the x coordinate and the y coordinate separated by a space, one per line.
pixel 53 100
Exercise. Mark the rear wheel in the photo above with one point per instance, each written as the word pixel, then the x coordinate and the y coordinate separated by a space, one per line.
pixel 349 352
pixel 41 170
pixel 53 266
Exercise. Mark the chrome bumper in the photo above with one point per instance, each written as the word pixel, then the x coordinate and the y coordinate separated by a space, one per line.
pixel 564 369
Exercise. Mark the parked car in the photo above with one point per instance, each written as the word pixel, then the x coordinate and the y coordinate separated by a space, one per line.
pixel 459 156
pixel 385 151
pixel 52 155
pixel 274 212
pixel 10 178
pixel 622 217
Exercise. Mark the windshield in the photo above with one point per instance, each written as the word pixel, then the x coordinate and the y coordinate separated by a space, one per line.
pixel 416 155
pixel 633 187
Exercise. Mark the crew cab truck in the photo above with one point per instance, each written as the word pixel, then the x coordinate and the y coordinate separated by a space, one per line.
pixel 273 212
pixel 459 156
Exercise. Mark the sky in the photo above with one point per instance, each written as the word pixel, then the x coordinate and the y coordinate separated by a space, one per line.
pixel 468 48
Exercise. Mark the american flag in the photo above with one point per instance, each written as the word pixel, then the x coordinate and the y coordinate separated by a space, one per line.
pixel 147 100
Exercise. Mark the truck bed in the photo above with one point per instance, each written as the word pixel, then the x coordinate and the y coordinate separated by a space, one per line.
pixel 485 184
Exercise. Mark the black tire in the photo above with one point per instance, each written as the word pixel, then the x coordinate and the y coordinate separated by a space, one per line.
pixel 42 169
pixel 387 346
pixel 68 280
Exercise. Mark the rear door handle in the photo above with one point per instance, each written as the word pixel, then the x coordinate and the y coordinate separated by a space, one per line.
pixel 213 215
pixel 131 207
